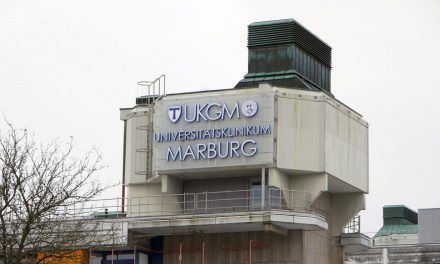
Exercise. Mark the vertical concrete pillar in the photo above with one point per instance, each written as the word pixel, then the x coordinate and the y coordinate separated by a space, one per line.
pixel 385 256
pixel 174 200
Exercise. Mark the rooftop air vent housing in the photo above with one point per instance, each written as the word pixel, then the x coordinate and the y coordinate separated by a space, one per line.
pixel 284 53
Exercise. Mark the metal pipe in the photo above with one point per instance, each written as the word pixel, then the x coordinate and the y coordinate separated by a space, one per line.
pixel 184 202
pixel 117 206
pixel 158 91
pixel 250 251
pixel 164 91
pixel 123 166
pixel 206 201
pixel 263 186
pixel 268 198
pixel 291 200
pixel 180 253
pixel 203 252
pixel 139 205
pixel 134 255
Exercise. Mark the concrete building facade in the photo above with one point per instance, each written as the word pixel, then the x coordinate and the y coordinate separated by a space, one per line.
pixel 268 172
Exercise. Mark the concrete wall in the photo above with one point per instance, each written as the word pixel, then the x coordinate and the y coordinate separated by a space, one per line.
pixel 396 240
pixel 278 178
pixel 300 138
pixel 429 231
pixel 314 136
pixel 296 246
pixel 233 248
pixel 344 206
pixel 144 199
pixel 299 247
pixel 421 254
pixel 346 146
pixel 314 184
pixel 137 120
pixel 171 185
pixel 217 184
pixel 323 246
pixel 218 195
pixel 172 189
pixel 338 209
pixel 316 133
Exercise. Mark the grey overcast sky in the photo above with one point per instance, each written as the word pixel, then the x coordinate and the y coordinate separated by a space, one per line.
pixel 67 66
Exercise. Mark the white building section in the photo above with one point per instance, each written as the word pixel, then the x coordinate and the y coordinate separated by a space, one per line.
pixel 278 158
pixel 208 179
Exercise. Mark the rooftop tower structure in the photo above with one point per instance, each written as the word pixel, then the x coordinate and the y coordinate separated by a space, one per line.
pixel 268 172
pixel 286 54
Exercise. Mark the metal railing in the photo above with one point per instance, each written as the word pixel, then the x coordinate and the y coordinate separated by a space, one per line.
pixel 194 203
pixel 353 226
pixel 150 91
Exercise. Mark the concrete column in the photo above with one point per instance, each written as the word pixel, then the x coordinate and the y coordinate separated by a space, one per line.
pixel 173 198
pixel 385 256
pixel 171 185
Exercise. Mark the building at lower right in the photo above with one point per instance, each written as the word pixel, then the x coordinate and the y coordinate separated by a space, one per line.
pixel 405 237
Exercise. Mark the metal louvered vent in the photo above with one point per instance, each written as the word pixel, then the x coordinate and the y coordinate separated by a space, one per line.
pixel 284 53
pixel 272 34
pixel 288 31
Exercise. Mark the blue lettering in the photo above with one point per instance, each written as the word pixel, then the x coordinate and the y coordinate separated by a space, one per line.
pixel 234 146
pixel 212 153
pixel 185 109
pixel 201 148
pixel 174 156
pixel 220 151
pixel 199 112
pixel 231 114
pixel 253 150
pixel 218 114
pixel 189 151
pixel 266 129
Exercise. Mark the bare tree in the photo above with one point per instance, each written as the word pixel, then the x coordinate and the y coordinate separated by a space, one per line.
pixel 39 186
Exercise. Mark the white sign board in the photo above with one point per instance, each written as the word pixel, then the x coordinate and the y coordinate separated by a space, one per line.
pixel 210 131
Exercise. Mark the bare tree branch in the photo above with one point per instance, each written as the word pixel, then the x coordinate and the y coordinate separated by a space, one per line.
pixel 37 183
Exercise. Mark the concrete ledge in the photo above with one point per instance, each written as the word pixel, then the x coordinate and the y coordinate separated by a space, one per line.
pixel 417 253
pixel 355 242
pixel 226 222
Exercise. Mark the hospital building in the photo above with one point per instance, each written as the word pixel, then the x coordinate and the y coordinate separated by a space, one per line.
pixel 268 171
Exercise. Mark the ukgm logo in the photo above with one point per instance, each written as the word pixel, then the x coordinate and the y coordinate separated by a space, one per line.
pixel 211 111
pixel 249 108
pixel 174 113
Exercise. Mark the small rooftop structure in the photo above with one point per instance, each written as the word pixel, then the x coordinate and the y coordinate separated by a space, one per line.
pixel 399 227
pixel 406 237
pixel 398 219
pixel 284 53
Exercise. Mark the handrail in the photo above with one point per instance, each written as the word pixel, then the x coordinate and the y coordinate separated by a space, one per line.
pixel 191 203
pixel 155 88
